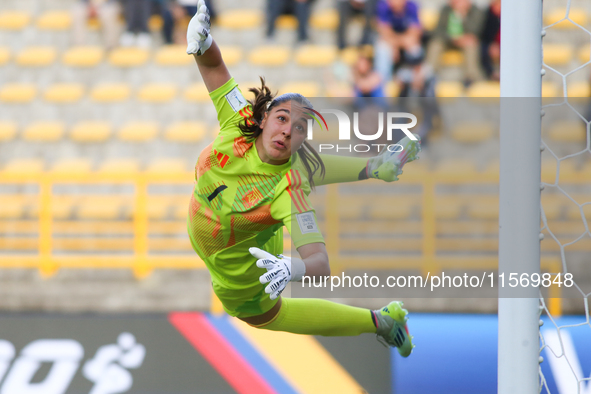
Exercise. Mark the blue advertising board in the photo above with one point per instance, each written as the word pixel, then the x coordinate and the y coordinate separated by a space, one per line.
pixel 457 354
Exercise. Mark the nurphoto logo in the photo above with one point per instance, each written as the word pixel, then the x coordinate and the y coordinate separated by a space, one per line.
pixel 344 125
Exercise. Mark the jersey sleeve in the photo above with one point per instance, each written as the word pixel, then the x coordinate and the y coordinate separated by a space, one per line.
pixel 230 105
pixel 292 207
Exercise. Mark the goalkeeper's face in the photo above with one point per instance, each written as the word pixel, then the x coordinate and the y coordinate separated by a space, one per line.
pixel 284 131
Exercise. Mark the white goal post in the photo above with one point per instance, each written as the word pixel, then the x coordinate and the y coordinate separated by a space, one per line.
pixel 519 209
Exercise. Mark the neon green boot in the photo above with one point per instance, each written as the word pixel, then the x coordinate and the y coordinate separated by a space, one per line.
pixel 392 329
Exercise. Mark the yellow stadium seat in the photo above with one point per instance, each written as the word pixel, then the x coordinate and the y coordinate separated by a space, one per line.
pixel 557 54
pixel 197 92
pixel 452 58
pixel 429 18
pixel 585 53
pixel 417 170
pixel 576 15
pixel 166 166
pixel 286 22
pixel 315 55
pixel 349 55
pixel 155 23
pixel 83 56
pixel 245 85
pixel 23 167
pixel 484 89
pixel 483 207
pixel 157 92
pixel 138 131
pixel 44 131
pixel 157 207
pixel 451 167
pixel 111 92
pixel 71 166
pixel 91 131
pixel 128 57
pixel 119 167
pixel 549 171
pixel 4 55
pixel 392 88
pixel 391 208
pixel 38 56
pixel 567 168
pixel 326 19
pixel 449 89
pixel 64 93
pixel 448 207
pixel 14 20
pixel 305 88
pixel 12 206
pixel 238 19
pixel 62 206
pixel 232 54
pixel 100 207
pixel 173 55
pixel 339 89
pixel 552 206
pixel 550 89
pixel 180 207
pixel 578 89
pixel 568 131
pixel 55 20
pixel 18 93
pixel 473 132
pixel 574 213
pixel 492 168
pixel 185 132
pixel 351 207
pixel 269 55
pixel 7 130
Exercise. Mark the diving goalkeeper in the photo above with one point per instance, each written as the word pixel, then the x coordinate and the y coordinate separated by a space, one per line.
pixel 246 182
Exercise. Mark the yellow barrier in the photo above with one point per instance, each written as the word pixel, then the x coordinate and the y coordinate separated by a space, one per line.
pixel 142 260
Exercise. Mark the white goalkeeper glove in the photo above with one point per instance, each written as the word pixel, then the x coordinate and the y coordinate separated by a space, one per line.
pixel 280 270
pixel 198 37
pixel 388 165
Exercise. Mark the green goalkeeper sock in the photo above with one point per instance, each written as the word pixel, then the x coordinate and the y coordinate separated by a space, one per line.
pixel 310 316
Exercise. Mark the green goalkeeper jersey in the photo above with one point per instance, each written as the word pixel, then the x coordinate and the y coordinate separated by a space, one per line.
pixel 241 202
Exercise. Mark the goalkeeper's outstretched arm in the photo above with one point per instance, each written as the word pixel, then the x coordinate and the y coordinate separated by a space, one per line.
pixel 386 166
pixel 205 50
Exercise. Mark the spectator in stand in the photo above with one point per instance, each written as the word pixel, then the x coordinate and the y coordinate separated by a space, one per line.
pixel 399 44
pixel 299 8
pixel 349 8
pixel 491 40
pixel 137 13
pixel 400 30
pixel 459 27
pixel 367 82
pixel 173 15
pixel 107 11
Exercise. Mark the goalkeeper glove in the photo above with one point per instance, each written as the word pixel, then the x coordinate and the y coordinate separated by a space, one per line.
pixel 280 270
pixel 388 165
pixel 198 38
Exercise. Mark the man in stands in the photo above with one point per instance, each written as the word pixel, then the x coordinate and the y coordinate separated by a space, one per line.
pixel 460 24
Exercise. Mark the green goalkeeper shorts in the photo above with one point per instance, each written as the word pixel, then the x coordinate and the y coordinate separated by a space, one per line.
pixel 245 302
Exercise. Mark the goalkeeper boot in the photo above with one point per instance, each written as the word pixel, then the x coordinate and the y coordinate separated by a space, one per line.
pixel 391 327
